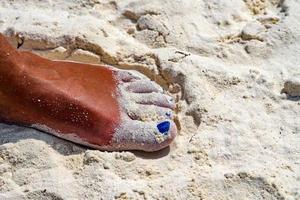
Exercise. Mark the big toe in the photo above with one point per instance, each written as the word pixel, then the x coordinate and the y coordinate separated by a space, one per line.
pixel 145 136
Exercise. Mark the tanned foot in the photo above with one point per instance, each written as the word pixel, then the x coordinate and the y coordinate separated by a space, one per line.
pixel 97 106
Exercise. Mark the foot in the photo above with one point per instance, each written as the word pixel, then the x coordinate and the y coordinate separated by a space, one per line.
pixel 97 106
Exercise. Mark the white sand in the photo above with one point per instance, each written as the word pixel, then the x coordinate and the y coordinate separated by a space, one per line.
pixel 227 61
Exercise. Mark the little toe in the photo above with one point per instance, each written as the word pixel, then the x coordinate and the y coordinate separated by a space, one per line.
pixel 130 75
pixel 149 112
pixel 157 99
pixel 146 136
pixel 143 86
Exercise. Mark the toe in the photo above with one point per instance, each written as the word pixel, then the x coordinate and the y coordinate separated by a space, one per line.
pixel 146 136
pixel 143 86
pixel 157 99
pixel 149 112
pixel 129 75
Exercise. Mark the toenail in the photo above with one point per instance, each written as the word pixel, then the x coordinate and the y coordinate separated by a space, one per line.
pixel 168 114
pixel 170 99
pixel 164 127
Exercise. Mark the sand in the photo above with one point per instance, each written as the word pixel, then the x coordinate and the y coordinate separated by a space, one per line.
pixel 233 66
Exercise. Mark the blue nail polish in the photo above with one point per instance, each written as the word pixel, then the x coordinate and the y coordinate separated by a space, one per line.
pixel 168 114
pixel 164 127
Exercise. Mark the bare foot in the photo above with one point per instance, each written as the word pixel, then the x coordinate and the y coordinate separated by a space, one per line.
pixel 97 106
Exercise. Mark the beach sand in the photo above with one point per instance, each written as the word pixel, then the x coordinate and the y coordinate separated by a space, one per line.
pixel 232 65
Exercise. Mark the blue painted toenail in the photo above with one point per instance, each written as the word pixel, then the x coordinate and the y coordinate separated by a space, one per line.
pixel 164 127
pixel 168 114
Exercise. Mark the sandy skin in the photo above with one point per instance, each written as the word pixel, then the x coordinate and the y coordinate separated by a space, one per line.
pixel 97 106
